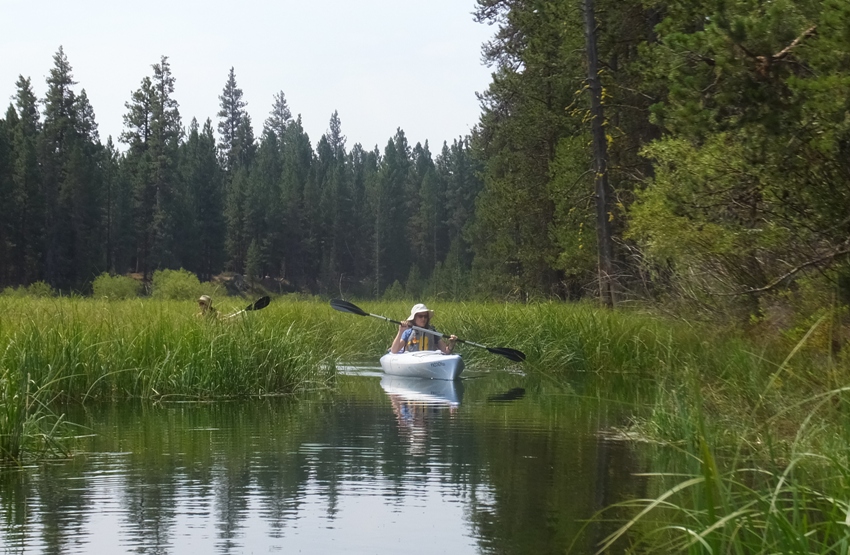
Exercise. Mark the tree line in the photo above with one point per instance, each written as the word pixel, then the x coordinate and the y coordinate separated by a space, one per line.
pixel 689 149
pixel 323 219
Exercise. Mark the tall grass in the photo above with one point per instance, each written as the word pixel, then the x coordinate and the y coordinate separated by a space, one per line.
pixel 90 349
pixel 84 350
pixel 763 464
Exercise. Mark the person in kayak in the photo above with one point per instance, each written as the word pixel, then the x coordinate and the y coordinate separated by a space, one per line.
pixel 205 308
pixel 408 339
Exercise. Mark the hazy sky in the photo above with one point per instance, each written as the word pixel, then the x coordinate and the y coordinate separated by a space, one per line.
pixel 382 64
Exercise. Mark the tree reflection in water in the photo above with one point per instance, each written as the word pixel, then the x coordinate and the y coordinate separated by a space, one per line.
pixel 378 464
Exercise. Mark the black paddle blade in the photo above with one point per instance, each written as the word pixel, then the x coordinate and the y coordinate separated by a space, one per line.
pixel 260 303
pixel 345 306
pixel 513 354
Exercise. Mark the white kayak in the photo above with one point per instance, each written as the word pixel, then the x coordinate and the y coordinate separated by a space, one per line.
pixel 423 364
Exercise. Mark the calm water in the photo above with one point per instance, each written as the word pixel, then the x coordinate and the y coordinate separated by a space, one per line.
pixel 497 463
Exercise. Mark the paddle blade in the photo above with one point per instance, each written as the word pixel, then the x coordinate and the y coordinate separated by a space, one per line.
pixel 512 354
pixel 260 303
pixel 345 306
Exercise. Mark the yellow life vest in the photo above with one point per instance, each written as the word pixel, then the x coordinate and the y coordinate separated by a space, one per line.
pixel 418 341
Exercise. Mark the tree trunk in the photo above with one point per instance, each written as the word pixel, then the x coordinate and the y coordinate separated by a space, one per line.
pixel 600 157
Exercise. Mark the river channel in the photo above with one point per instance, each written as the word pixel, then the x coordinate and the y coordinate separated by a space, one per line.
pixel 495 463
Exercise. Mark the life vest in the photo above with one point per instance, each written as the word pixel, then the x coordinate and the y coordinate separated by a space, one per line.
pixel 418 341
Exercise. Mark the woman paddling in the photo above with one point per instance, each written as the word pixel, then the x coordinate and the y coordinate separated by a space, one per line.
pixel 408 339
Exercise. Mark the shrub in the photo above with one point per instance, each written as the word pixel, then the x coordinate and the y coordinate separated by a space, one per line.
pixel 177 285
pixel 12 291
pixel 394 292
pixel 115 287
pixel 40 289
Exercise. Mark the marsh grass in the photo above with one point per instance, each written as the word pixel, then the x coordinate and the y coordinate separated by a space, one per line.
pixel 83 350
pixel 761 462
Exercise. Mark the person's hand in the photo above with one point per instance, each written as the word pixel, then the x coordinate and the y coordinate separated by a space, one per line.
pixel 405 324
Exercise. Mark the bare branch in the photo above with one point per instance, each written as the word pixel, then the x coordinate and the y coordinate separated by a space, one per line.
pixel 783 278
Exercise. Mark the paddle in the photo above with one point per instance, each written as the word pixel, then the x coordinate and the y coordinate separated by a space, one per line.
pixel 345 306
pixel 259 304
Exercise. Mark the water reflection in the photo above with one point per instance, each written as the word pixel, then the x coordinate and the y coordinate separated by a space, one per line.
pixel 381 465
pixel 416 401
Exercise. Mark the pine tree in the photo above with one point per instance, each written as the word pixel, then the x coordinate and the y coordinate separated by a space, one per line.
pixel 231 121
pixel 138 163
pixel 85 199
pixel 279 118
pixel 166 131
pixel 7 208
pixel 296 173
pixel 26 209
pixel 56 149
pixel 202 200
pixel 390 247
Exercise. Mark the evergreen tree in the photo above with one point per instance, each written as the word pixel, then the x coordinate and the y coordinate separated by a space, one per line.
pixel 118 216
pixel 296 173
pixel 426 210
pixel 338 222
pixel 201 247
pixel 279 118
pixel 237 150
pixel 390 246
pixel 139 170
pixel 7 225
pixel 264 209
pixel 231 123
pixel 25 202
pixel 54 151
pixel 236 215
pixel 85 199
pixel 153 131
pixel 166 130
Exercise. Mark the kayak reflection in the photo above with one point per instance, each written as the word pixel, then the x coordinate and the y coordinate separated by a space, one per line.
pixel 418 401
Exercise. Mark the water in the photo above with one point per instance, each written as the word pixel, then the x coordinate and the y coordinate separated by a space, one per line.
pixel 497 463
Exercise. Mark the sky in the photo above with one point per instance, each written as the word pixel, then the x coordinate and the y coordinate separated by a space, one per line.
pixel 381 64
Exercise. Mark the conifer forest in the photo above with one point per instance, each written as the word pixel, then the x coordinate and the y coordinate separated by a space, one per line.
pixel 688 150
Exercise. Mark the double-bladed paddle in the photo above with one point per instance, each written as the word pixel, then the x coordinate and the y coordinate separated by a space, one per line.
pixel 351 308
pixel 259 304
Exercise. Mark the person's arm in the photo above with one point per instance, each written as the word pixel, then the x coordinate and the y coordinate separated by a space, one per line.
pixel 398 342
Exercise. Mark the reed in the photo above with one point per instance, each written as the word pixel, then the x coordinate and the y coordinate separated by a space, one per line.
pixel 90 349
pixel 85 350
pixel 760 459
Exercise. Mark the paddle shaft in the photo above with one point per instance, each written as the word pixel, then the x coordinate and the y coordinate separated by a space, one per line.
pixel 259 304
pixel 432 332
pixel 345 306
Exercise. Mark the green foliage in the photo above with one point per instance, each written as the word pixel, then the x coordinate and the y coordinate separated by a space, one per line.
pixel 115 287
pixel 14 292
pixel 40 289
pixel 414 284
pixel 254 262
pixel 177 285
pixel 394 292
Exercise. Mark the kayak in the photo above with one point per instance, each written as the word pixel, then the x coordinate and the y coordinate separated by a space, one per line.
pixel 423 364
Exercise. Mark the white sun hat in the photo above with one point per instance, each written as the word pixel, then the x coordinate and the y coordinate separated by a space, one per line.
pixel 418 308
